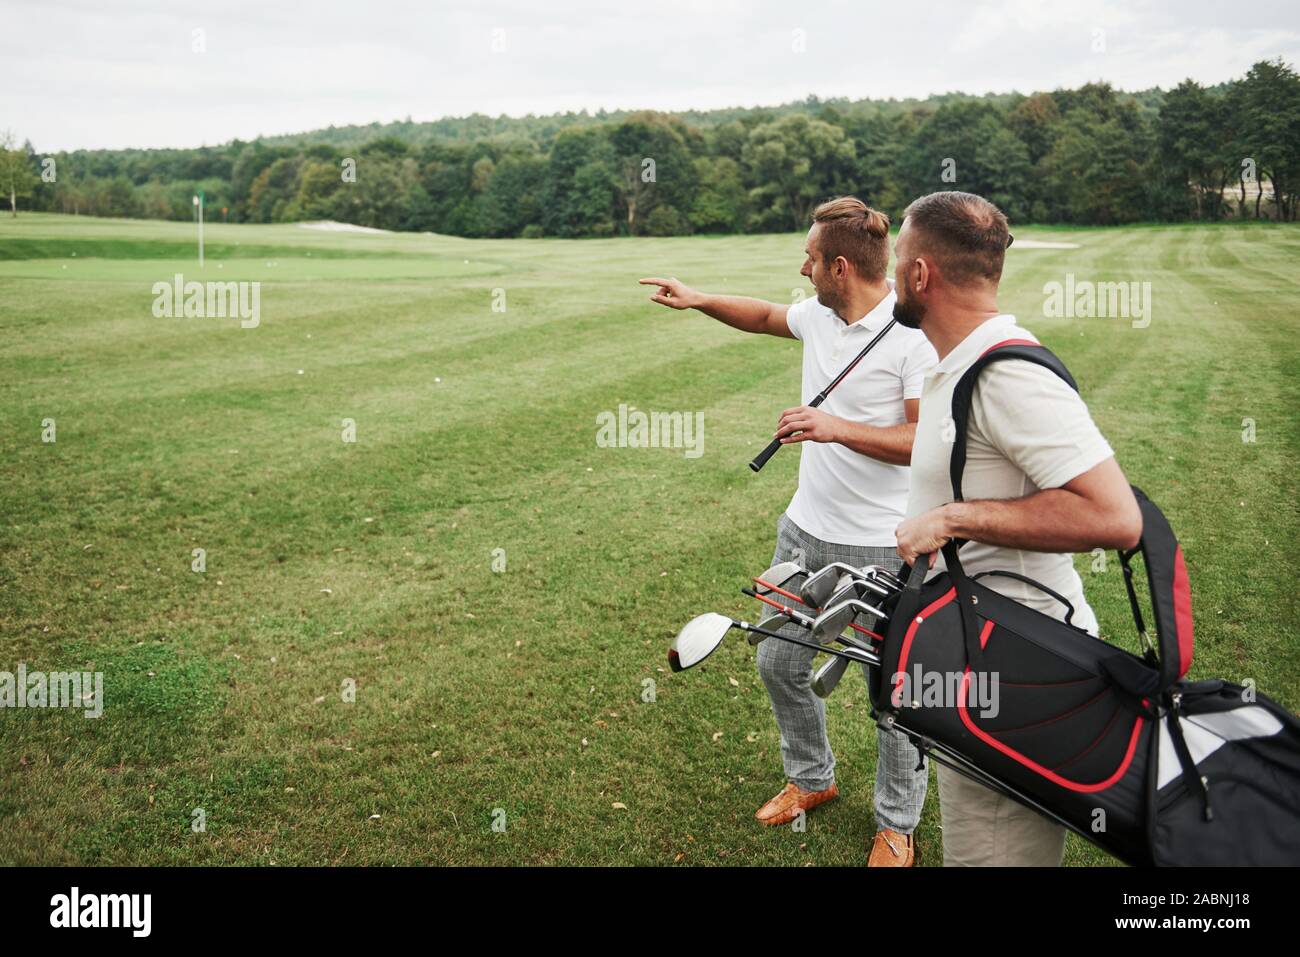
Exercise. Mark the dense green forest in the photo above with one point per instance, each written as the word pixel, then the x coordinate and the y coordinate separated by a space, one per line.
pixel 1091 155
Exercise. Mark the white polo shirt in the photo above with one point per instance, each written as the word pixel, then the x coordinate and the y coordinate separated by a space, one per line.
pixel 845 497
pixel 1028 431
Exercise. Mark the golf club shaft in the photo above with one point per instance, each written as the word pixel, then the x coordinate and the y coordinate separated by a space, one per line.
pixel 795 616
pixel 853 654
pixel 761 458
pixel 800 619
pixel 777 589
pixel 950 758
pixel 793 597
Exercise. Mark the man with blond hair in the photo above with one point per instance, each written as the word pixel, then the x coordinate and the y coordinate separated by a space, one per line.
pixel 853 486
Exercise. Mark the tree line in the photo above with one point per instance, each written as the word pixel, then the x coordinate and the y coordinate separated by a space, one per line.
pixel 1091 155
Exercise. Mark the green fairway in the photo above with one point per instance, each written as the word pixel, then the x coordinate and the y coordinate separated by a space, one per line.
pixel 519 692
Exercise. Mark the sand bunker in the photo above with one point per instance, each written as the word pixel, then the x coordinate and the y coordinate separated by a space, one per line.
pixel 331 226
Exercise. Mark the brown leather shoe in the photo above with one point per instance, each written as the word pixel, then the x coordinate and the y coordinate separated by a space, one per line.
pixel 783 808
pixel 892 849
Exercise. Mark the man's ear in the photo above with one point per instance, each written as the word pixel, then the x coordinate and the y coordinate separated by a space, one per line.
pixel 923 276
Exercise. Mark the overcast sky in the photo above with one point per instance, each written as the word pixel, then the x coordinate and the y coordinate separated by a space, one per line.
pixel 119 73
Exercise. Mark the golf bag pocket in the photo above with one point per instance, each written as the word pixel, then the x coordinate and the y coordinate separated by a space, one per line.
pixel 1239 803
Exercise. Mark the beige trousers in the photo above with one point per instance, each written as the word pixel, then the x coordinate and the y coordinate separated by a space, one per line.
pixel 982 828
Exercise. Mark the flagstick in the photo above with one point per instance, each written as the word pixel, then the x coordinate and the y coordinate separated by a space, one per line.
pixel 198 201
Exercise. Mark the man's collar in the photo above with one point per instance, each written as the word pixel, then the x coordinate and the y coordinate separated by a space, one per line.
pixel 977 340
pixel 881 314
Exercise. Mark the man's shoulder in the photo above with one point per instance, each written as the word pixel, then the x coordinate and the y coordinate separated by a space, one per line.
pixel 1002 329
pixel 1019 398
pixel 1011 372
pixel 1024 381
pixel 806 316
pixel 811 308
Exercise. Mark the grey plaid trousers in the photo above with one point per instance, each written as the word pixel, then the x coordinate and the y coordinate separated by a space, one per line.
pixel 786 670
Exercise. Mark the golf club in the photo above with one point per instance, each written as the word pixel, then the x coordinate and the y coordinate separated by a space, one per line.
pixel 780 575
pixel 788 614
pixel 702 635
pixel 836 618
pixel 851 589
pixel 828 578
pixel 806 622
pixel 772 580
pixel 791 614
pixel 761 459
pixel 764 587
pixel 884 575
pixel 828 676
pixel 820 586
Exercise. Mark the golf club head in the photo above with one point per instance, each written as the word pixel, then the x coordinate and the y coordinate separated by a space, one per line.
pixel 822 584
pixel 698 640
pixel 818 585
pixel 863 595
pixel 883 575
pixel 828 676
pixel 773 622
pixel 779 575
pixel 882 582
pixel 834 620
pixel 849 589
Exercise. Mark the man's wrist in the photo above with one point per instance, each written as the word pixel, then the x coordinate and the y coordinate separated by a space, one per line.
pixel 955 515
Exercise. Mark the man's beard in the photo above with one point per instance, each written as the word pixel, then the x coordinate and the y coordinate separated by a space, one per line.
pixel 829 299
pixel 909 313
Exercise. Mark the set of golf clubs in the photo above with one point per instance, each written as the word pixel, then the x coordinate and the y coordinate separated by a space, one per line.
pixel 830 606
pixel 838 604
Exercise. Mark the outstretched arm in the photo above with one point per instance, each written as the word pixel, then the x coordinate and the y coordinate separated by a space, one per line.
pixel 739 312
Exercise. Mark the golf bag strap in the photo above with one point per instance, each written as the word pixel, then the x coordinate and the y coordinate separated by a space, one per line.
pixel 1069 608
pixel 1148 649
pixel 962 396
pixel 966 598
pixel 1169 646
pixel 963 393
pixel 1191 776
pixel 916 574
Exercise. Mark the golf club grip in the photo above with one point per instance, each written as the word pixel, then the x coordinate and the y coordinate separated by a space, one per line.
pixel 761 458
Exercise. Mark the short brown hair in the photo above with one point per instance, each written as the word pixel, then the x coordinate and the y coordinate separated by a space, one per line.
pixel 967 234
pixel 852 229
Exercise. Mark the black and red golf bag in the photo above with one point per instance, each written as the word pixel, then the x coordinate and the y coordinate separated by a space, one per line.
pixel 1116 746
